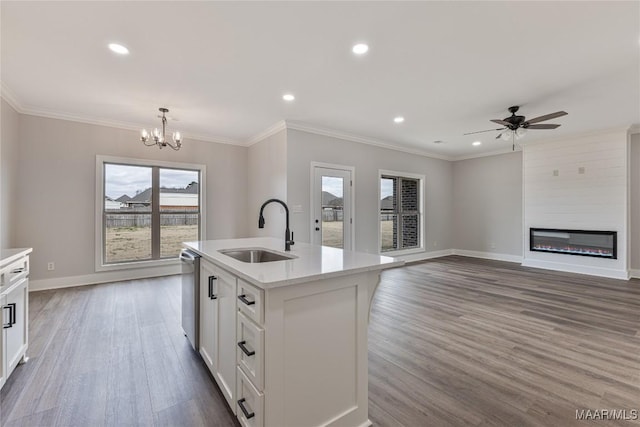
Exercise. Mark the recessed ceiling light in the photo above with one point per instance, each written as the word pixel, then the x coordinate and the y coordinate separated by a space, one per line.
pixel 118 48
pixel 399 119
pixel 476 143
pixel 288 97
pixel 360 49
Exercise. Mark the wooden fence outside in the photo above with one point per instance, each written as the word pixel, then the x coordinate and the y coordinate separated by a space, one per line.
pixel 113 221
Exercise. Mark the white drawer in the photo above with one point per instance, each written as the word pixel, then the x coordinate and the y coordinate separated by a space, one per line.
pixel 14 272
pixel 250 352
pixel 250 403
pixel 250 301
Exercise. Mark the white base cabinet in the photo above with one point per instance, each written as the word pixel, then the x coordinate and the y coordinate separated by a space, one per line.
pixel 290 356
pixel 14 300
pixel 218 326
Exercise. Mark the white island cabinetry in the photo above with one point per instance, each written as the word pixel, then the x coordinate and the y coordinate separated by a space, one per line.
pixel 14 300
pixel 218 326
pixel 299 332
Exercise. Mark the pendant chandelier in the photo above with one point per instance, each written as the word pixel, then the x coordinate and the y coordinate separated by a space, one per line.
pixel 158 137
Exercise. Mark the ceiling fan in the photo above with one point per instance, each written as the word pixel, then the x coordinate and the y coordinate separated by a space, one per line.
pixel 516 126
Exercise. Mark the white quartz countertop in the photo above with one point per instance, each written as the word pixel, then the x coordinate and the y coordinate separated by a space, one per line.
pixel 9 255
pixel 312 262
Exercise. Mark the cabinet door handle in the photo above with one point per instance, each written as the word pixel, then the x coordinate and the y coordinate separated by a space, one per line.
pixel 18 270
pixel 244 349
pixel 12 315
pixel 244 299
pixel 211 294
pixel 247 414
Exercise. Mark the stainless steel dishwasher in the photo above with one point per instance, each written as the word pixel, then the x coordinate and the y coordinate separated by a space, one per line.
pixel 190 262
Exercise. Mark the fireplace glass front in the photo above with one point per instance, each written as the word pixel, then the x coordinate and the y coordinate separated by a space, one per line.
pixel 601 244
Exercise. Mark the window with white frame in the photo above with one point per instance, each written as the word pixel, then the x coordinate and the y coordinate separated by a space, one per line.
pixel 147 209
pixel 400 212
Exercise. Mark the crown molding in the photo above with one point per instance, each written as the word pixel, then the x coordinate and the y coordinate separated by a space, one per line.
pixel 333 133
pixel 10 97
pixel 506 150
pixel 271 130
pixel 12 100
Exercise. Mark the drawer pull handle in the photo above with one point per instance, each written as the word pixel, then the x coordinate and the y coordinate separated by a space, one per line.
pixel 211 294
pixel 244 299
pixel 247 414
pixel 18 270
pixel 244 349
pixel 12 315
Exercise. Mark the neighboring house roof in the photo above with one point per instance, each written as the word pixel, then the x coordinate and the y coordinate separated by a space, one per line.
pixel 142 197
pixel 329 199
pixel 123 198
pixel 386 203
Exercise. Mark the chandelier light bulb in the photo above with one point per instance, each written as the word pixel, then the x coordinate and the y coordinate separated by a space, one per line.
pixel 506 134
pixel 160 135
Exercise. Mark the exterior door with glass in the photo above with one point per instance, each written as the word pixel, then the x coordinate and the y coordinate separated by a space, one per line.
pixel 332 221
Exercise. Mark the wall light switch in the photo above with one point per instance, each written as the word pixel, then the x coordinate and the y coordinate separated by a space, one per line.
pixel 556 172
pixel 581 170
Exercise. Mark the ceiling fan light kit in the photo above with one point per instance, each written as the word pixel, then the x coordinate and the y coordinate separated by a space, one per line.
pixel 159 136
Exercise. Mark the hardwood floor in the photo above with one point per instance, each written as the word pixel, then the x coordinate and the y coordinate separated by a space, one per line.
pixel 452 342
pixel 114 355
pixel 464 342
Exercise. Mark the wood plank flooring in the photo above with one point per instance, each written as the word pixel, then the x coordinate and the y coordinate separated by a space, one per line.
pixel 452 342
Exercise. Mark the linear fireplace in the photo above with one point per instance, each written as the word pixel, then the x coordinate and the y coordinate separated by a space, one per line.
pixel 600 244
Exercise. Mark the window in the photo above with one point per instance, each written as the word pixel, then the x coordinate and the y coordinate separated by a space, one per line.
pixel 146 210
pixel 400 211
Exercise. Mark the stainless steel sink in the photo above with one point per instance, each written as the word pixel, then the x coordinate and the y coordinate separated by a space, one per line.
pixel 256 255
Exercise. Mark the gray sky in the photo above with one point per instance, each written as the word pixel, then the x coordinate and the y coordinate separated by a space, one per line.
pixel 124 179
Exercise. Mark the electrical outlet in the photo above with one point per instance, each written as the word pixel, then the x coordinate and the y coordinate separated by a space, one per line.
pixel 51 266
pixel 492 245
pixel 435 244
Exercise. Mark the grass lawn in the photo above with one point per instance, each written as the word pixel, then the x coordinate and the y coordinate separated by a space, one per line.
pixel 134 243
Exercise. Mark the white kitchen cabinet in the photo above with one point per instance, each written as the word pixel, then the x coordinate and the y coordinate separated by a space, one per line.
pixel 15 330
pixel 218 327
pixel 14 300
pixel 208 315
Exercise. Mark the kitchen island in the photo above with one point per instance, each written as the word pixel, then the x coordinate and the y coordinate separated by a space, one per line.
pixel 286 339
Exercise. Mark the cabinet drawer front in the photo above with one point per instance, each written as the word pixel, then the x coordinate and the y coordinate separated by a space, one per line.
pixel 15 272
pixel 250 351
pixel 250 403
pixel 250 301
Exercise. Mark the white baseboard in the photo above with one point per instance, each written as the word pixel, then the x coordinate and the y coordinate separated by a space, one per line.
pixel 102 277
pixel 634 274
pixel 580 269
pixel 488 255
pixel 421 256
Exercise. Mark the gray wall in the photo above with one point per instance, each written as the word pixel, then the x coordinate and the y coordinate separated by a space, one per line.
pixel 55 189
pixel 634 195
pixel 267 179
pixel 9 124
pixel 303 148
pixel 487 204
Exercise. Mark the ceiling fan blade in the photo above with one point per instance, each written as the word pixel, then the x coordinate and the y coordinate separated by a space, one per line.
pixel 499 136
pixel 546 117
pixel 480 131
pixel 501 122
pixel 543 126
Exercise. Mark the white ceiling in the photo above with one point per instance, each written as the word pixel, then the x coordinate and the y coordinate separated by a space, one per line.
pixel 222 67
